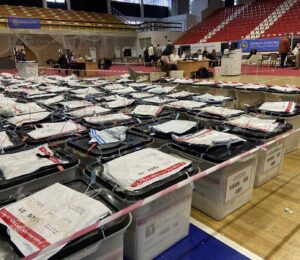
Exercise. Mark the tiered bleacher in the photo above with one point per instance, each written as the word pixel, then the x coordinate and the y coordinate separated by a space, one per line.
pixel 288 22
pixel 251 17
pixel 200 30
pixel 262 18
pixel 63 19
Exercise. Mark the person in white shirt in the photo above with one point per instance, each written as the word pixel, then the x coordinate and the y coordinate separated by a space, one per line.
pixel 186 54
pixel 296 52
pixel 174 57
pixel 151 53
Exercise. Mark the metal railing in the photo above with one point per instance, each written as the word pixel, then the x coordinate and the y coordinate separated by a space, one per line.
pixel 121 16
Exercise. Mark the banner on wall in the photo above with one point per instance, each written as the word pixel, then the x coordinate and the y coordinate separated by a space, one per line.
pixel 23 23
pixel 270 44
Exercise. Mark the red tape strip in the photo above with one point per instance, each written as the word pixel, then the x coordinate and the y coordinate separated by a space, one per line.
pixel 24 231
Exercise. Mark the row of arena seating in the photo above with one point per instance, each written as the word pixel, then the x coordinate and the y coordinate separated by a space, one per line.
pixel 246 21
pixel 287 23
pixel 54 18
pixel 199 31
pixel 263 18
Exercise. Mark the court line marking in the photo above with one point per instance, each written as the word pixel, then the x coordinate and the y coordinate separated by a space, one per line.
pixel 225 240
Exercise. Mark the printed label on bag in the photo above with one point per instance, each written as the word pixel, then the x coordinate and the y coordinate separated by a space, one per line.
pixel 238 183
pixel 273 157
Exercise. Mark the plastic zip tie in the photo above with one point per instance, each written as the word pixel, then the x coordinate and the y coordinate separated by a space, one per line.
pixel 192 182
pixel 114 188
pixel 93 180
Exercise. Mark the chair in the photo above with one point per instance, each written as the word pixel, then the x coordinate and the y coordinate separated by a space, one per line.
pixel 255 60
pixel 54 64
pixel 273 60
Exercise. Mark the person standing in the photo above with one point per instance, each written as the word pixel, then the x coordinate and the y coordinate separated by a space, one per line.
pixel 22 55
pixel 284 49
pixel 146 56
pixel 63 62
pixel 151 54
pixel 296 52
pixel 158 52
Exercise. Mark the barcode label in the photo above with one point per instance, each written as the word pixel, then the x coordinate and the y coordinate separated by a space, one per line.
pixel 238 183
pixel 274 157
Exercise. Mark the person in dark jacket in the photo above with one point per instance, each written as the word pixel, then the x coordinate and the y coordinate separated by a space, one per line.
pixel 284 49
pixel 252 52
pixel 63 62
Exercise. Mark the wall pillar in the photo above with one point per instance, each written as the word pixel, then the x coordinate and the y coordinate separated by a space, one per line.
pixel 45 4
pixel 68 4
pixel 108 6
pixel 142 8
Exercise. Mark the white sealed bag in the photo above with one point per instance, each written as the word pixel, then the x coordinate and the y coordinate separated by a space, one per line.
pixel 86 91
pixel 48 216
pixel 57 89
pixel 139 169
pixel 183 81
pixel 285 89
pixel 120 102
pixel 181 94
pixel 230 84
pixel 175 126
pixel 16 109
pixel 209 138
pixel 147 110
pixel 284 107
pixel 250 122
pixel 186 104
pixel 56 129
pixel 88 111
pixel 139 85
pixel 205 83
pixel 51 101
pixel 222 111
pixel 113 87
pixel 158 100
pixel 110 135
pixel 5 140
pixel 75 104
pixel 29 118
pixel 161 90
pixel 141 95
pixel 108 118
pixel 208 98
pixel 26 162
pixel 251 87
pixel 124 91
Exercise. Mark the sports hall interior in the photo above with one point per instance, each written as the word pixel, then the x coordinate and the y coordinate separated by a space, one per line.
pixel 110 38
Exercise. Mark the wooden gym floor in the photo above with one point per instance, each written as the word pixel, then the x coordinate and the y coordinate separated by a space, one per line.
pixel 269 225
